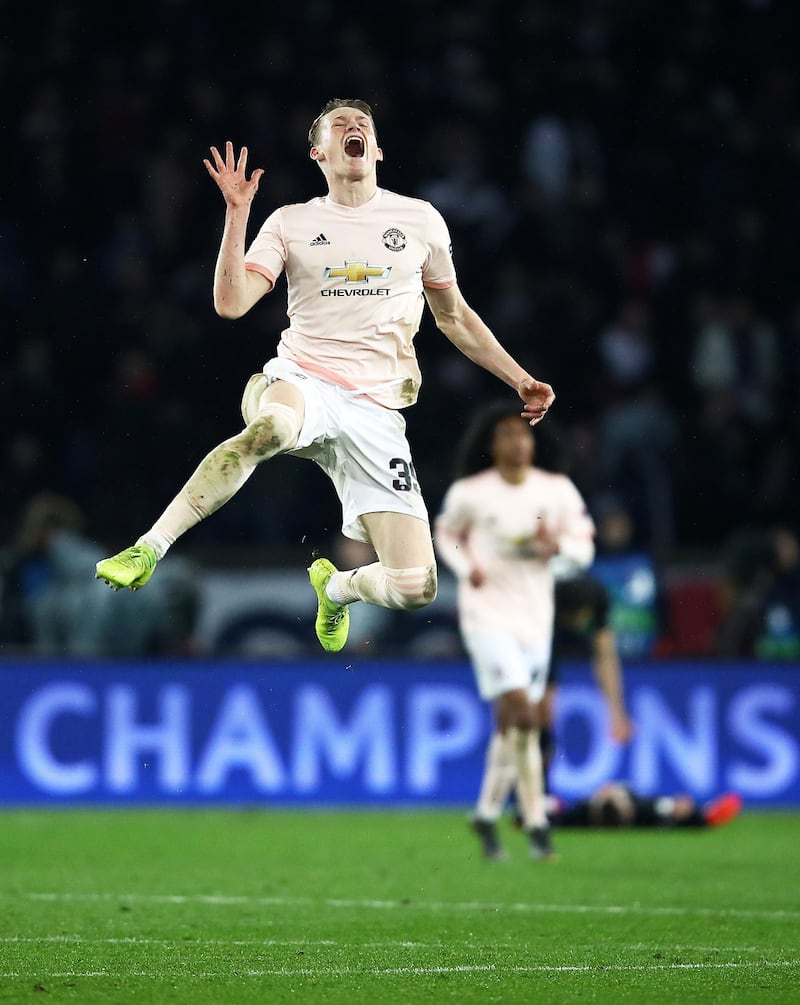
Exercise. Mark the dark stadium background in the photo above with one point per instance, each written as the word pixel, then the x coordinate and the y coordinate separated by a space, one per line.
pixel 620 183
pixel 197 803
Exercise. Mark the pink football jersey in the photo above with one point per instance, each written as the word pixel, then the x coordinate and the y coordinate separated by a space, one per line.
pixel 355 279
pixel 487 522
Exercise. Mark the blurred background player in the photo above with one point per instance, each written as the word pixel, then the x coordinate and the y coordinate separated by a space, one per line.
pixel 631 575
pixel 50 603
pixel 502 520
pixel 761 595
pixel 360 263
pixel 617 805
pixel 582 630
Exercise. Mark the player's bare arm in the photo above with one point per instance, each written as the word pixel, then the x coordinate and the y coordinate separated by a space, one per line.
pixel 465 329
pixel 236 289
pixel 608 673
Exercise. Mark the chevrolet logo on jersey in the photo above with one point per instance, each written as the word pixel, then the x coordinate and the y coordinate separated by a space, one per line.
pixel 358 272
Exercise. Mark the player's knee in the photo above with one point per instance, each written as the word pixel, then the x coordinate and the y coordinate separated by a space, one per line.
pixel 251 399
pixel 276 429
pixel 410 589
pixel 515 711
pixel 528 719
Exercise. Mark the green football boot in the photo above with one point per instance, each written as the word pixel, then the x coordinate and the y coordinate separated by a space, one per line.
pixel 333 620
pixel 129 569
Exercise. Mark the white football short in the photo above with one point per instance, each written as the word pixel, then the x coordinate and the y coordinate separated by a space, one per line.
pixel 502 664
pixel 360 445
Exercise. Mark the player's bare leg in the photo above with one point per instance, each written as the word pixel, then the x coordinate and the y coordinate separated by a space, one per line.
pixel 403 578
pixel 274 417
pixel 517 716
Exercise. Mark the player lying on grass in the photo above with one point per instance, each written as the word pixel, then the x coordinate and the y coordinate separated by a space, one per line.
pixel 617 805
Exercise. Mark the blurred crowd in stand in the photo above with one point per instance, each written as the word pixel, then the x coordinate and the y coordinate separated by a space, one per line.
pixel 620 184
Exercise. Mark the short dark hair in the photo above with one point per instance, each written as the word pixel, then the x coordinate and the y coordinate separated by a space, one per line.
pixel 332 105
pixel 579 591
pixel 608 814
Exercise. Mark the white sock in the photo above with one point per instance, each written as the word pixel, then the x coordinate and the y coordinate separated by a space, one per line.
pixel 498 776
pixel 530 778
pixel 397 589
pixel 339 588
pixel 158 542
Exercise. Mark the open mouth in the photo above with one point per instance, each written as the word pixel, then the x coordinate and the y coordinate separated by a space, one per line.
pixel 354 146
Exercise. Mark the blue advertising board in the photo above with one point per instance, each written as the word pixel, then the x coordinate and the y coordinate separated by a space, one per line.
pixel 329 733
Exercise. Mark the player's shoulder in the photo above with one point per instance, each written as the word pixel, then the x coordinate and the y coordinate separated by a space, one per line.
pixel 483 481
pixel 291 214
pixel 407 203
pixel 302 208
pixel 551 479
pixel 389 195
pixel 469 484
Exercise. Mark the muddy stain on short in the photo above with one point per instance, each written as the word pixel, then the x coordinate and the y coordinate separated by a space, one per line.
pixel 408 390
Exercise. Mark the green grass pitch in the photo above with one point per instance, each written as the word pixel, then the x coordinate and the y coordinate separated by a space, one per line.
pixel 237 906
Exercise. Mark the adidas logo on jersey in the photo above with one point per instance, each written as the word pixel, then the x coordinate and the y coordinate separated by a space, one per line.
pixel 318 241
